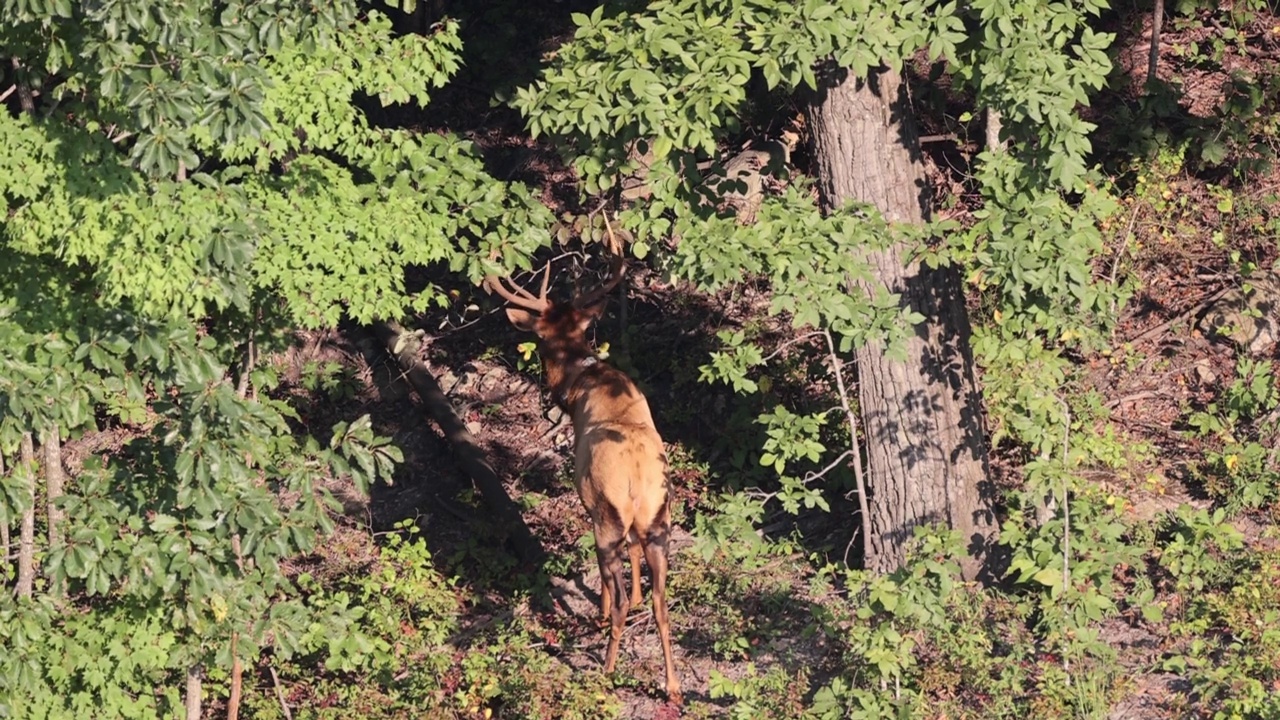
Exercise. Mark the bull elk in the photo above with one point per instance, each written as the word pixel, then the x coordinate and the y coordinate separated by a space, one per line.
pixel 620 468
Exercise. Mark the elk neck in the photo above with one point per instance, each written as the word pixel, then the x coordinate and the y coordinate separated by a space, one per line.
pixel 564 363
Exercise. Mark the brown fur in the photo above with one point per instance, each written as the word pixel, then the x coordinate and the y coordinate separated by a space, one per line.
pixel 620 468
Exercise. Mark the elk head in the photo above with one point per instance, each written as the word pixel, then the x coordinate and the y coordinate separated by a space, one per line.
pixel 561 327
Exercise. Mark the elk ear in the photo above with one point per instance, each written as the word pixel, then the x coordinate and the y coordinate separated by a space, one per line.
pixel 522 319
pixel 589 314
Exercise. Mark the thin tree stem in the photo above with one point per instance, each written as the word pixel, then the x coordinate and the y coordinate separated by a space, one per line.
pixel 1153 54
pixel 858 476
pixel 250 357
pixel 237 668
pixel 55 481
pixel 1066 518
pixel 284 705
pixel 27 533
pixel 195 677
pixel 5 540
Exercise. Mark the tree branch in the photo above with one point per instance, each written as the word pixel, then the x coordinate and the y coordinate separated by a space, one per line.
pixel 793 341
pixel 860 481
pixel 284 706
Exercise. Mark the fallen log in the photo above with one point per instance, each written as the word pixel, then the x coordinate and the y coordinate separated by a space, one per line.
pixel 403 346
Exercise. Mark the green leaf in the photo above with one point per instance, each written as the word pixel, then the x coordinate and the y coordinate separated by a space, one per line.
pixel 1048 576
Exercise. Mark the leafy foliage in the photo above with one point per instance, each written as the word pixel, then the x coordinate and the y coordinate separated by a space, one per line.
pixel 196 181
pixel 1240 468
pixel 209 181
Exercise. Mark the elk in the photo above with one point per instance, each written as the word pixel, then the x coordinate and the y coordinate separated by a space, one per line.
pixel 620 467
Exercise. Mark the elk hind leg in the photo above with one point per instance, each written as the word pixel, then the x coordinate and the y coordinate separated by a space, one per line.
pixel 613 592
pixel 655 552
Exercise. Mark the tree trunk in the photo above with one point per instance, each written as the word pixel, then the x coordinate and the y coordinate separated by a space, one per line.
pixel 193 699
pixel 27 532
pixel 995 123
pixel 1153 53
pixel 926 449
pixel 54 479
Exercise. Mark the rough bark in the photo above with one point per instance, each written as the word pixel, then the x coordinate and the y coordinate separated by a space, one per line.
pixel 1153 53
pixel 995 123
pixel 469 453
pixel 926 449
pixel 26 99
pixel 27 532
pixel 54 479
pixel 195 682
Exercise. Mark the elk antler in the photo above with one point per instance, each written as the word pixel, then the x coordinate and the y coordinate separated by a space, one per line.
pixel 616 270
pixel 520 297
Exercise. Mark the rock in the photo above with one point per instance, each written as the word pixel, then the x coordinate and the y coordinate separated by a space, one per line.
pixel 1204 372
pixel 1248 315
pixel 447 380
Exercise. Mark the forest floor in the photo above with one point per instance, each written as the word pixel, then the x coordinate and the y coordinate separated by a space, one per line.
pixel 1164 365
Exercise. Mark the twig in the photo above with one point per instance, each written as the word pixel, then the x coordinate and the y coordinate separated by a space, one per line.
pixel 995 123
pixel 471 456
pixel 1115 266
pixel 237 680
pixel 1142 395
pixel 284 706
pixel 831 466
pixel 447 508
pixel 5 95
pixel 859 480
pixel 559 425
pixel 1194 309
pixel 789 343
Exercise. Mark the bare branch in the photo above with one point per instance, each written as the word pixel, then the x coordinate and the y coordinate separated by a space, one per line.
pixel 859 478
pixel 793 341
pixel 284 706
pixel 810 477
